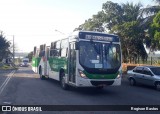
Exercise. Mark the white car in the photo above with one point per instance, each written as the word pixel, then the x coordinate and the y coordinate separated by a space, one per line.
pixel 25 62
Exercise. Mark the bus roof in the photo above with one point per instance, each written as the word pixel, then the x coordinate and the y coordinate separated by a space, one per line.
pixel 96 32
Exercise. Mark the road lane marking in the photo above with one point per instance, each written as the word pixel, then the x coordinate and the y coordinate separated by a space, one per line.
pixel 8 103
pixel 6 81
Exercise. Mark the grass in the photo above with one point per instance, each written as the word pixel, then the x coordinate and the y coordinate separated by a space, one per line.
pixel 7 67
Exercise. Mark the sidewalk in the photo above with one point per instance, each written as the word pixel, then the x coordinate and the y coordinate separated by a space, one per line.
pixel 5 71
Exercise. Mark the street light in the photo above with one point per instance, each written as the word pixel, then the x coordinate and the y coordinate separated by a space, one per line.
pixel 65 34
pixel 59 31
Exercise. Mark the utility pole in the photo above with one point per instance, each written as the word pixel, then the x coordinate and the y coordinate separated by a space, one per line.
pixel 1 33
pixel 13 49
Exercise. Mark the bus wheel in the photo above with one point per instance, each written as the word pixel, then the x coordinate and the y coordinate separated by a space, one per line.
pixel 62 82
pixel 40 74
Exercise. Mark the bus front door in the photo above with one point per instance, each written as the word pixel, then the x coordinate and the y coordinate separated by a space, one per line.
pixel 72 63
pixel 46 65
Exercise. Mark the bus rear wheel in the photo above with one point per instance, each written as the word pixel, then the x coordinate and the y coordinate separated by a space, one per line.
pixel 62 82
pixel 40 74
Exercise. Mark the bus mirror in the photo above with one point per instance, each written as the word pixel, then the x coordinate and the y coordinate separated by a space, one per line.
pixel 77 46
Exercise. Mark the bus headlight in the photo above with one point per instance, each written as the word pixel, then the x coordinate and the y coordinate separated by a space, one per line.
pixel 118 76
pixel 82 74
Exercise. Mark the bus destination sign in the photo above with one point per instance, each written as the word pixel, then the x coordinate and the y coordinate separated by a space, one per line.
pixel 101 38
pixel 98 37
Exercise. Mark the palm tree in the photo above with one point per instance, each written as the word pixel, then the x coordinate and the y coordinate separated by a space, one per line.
pixel 151 10
pixel 149 13
pixel 158 1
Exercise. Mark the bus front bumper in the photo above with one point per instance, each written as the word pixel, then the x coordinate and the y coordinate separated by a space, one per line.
pixel 81 82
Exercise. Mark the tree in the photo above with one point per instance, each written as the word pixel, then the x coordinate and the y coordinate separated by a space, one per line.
pixel 30 55
pixel 152 10
pixel 93 24
pixel 157 1
pixel 125 20
pixel 150 28
pixel 4 47
pixel 113 14
pixel 156 26
pixel 155 31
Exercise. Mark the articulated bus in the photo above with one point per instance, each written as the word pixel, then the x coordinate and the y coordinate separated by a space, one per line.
pixel 84 59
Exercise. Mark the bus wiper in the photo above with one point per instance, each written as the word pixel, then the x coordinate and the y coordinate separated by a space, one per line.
pixel 96 47
pixel 97 50
pixel 107 50
pixel 110 44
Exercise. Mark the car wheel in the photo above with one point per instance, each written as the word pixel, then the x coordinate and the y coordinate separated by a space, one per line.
pixel 40 74
pixel 132 82
pixel 62 82
pixel 157 85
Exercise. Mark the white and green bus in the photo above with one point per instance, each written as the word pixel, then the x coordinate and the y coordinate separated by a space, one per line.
pixel 84 59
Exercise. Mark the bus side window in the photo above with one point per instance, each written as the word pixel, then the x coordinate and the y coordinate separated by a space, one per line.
pixel 55 49
pixel 42 51
pixel 48 53
pixel 51 53
pixel 64 47
pixel 51 50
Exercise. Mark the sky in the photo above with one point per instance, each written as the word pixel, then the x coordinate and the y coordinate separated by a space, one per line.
pixel 33 22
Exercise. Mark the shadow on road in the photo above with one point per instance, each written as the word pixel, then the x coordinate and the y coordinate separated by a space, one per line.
pixel 85 90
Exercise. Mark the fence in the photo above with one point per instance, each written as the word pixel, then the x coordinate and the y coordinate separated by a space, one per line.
pixel 155 61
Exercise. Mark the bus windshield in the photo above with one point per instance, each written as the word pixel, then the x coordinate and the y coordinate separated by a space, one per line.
pixel 26 61
pixel 95 55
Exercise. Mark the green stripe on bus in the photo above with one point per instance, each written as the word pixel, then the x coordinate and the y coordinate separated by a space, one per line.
pixel 101 76
pixel 35 61
pixel 57 63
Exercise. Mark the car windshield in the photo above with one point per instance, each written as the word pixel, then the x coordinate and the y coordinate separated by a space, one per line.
pixel 156 70
pixel 25 61
pixel 99 55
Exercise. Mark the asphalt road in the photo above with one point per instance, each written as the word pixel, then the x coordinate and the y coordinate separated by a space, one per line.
pixel 25 88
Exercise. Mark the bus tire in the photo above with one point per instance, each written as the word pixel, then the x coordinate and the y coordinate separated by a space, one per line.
pixel 62 81
pixel 40 74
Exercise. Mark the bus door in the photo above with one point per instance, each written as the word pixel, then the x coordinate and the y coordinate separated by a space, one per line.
pixel 46 65
pixel 72 63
